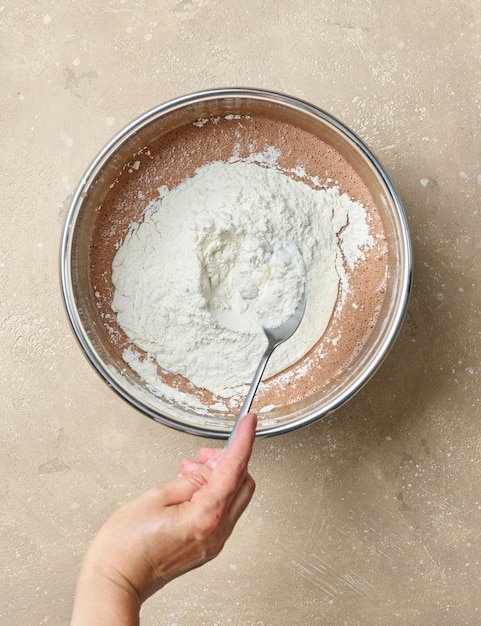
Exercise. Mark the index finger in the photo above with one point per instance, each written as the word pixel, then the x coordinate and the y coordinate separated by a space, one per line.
pixel 230 466
pixel 240 449
pixel 248 429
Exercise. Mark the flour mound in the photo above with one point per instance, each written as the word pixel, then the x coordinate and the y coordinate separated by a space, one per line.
pixel 190 279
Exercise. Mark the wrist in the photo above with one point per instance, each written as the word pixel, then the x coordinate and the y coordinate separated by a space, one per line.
pixel 104 598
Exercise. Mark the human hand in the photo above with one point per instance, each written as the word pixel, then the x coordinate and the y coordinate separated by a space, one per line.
pixel 167 531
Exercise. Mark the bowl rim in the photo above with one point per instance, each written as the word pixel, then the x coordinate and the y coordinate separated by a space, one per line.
pixel 404 282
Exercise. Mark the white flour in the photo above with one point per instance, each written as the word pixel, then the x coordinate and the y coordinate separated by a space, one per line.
pixel 191 280
pixel 272 278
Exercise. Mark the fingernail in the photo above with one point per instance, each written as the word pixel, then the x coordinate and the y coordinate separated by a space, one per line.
pixel 212 463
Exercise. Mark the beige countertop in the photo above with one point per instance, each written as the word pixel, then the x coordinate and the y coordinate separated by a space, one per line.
pixel 372 516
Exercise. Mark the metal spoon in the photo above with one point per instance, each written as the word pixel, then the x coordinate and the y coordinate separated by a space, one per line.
pixel 275 336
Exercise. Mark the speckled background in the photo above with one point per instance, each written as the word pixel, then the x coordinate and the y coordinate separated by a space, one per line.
pixel 370 516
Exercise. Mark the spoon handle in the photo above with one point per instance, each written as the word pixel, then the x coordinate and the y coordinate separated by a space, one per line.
pixel 252 390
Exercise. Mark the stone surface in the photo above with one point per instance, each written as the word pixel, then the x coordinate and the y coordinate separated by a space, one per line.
pixel 370 516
